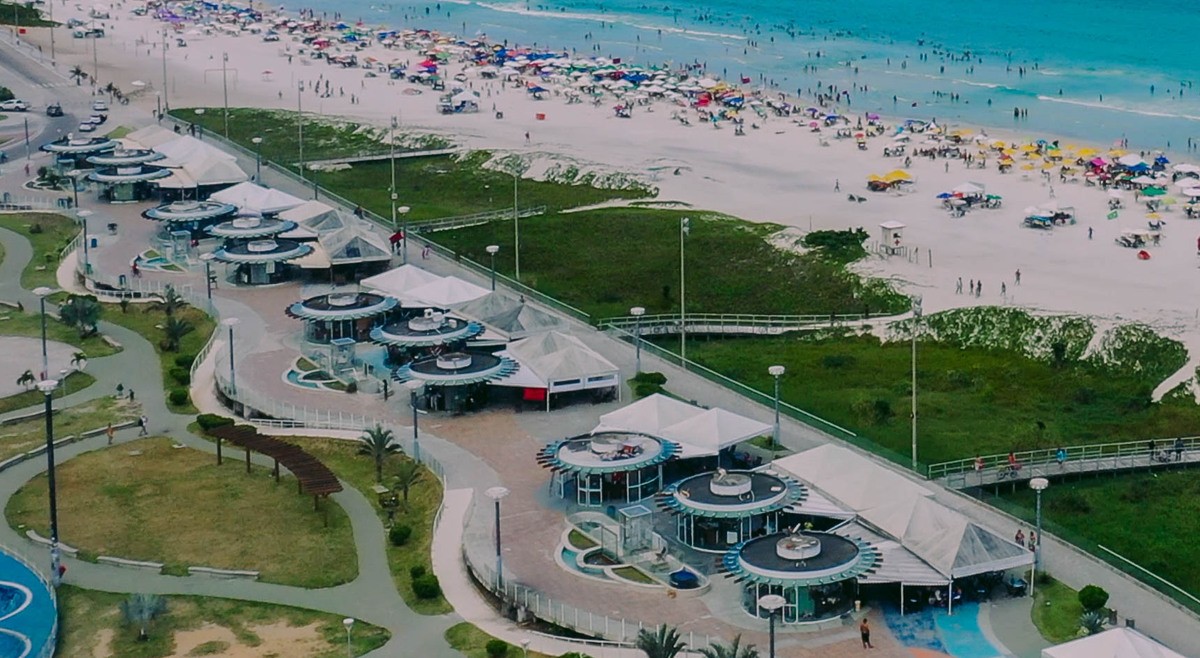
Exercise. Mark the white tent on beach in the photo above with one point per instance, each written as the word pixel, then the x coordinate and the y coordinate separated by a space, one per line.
pixel 1113 643
pixel 446 292
pixel 256 198
pixel 700 432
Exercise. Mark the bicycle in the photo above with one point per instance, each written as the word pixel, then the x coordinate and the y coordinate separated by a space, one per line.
pixel 1010 471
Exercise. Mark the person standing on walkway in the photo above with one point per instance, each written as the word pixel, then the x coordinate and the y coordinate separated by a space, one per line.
pixel 109 433
pixel 131 395
pixel 864 629
pixel 837 184
pixel 142 430
pixel 1018 277
pixel 958 287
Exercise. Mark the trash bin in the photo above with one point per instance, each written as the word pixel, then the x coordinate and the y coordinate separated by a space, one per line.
pixel 93 241
pixel 857 606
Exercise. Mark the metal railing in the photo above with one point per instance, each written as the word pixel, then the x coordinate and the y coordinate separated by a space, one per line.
pixel 1044 462
pixel 51 644
pixel 477 219
pixel 669 323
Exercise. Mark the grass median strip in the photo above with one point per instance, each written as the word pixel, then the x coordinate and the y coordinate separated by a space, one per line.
pixel 26 435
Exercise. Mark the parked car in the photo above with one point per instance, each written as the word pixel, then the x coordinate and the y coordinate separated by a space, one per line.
pixel 89 33
pixel 99 106
pixel 270 36
pixel 97 119
pixel 14 105
pixel 54 110
pixel 87 127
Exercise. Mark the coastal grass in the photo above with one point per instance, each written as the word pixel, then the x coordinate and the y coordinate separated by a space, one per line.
pixel 632 258
pixel 48 234
pixel 1056 611
pixel 23 436
pixel 971 400
pixel 424 500
pixel 75 381
pixel 1148 518
pixel 324 139
pixel 15 323
pixel 471 641
pixel 90 621
pixel 147 322
pixel 147 500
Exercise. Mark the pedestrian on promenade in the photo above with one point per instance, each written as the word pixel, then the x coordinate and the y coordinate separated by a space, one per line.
pixel 1179 449
pixel 109 432
pixel 1018 276
pixel 142 430
pixel 837 182
pixel 958 287
pixel 131 395
pixel 1020 537
pixel 864 629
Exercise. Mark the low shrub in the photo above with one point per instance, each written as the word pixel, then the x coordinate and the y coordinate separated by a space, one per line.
pixel 185 360
pixel 416 571
pixel 496 648
pixel 182 376
pixel 399 534
pixel 427 587
pixel 178 396
pixel 837 361
pixel 1093 597
pixel 212 421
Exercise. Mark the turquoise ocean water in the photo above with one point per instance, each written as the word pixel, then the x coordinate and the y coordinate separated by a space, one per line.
pixel 1095 70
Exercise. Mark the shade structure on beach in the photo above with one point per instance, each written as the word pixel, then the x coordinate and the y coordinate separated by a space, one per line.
pixel 897 175
pixel 188 211
pixel 1153 191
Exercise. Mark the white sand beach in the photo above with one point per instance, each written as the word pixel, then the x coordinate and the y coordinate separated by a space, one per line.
pixel 778 172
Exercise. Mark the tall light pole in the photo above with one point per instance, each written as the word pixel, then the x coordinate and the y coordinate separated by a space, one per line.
pixel 777 373
pixel 492 249
pixel 1038 485
pixel 53 62
pixel 95 61
pixel 403 210
pixel 496 494
pixel 87 262
pixel 392 159
pixel 225 90
pixel 42 293
pixel 348 622
pixel 300 125
pixel 231 323
pixel 208 280
pixel 257 141
pixel 525 648
pixel 47 386
pixel 685 226
pixel 916 313
pixel 772 604
pixel 166 98
pixel 516 231
pixel 637 312
pixel 415 390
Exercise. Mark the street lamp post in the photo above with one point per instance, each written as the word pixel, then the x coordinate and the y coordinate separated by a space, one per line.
pixel 43 292
pixel 777 373
pixel 74 176
pixel 392 160
pixel 496 494
pixel 83 217
pixel 916 312
pixel 348 622
pixel 225 89
pixel 516 232
pixel 684 229
pixel 403 210
pixel 771 603
pixel 257 141
pixel 637 312
pixel 166 98
pixel 230 323
pixel 1038 485
pixel 415 390
pixel 492 249
pixel 208 280
pixel 47 386
pixel 300 125
pixel 525 648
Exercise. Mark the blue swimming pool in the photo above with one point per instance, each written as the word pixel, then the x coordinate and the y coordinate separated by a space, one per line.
pixel 28 611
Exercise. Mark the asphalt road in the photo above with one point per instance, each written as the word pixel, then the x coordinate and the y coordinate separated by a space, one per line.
pixel 38 86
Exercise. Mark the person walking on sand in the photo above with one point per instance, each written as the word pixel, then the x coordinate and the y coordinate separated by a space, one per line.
pixel 1018 277
pixel 979 289
pixel 526 136
pixel 837 183
pixel 864 629
pixel 958 287
pixel 1090 233
pixel 1003 290
pixel 109 432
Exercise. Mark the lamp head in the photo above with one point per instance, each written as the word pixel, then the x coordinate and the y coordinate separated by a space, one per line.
pixel 256 140
pixel 496 493
pixel 47 386
pixel 415 386
pixel 1039 484
pixel 43 291
pixel 776 371
pixel 207 257
pixel 348 622
pixel 525 643
pixel 637 311
pixel 771 602
pixel 85 213
pixel 230 322
pixel 492 249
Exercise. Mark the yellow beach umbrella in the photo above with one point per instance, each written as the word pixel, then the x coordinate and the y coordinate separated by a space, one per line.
pixel 1028 148
pixel 1027 167
pixel 897 175
pixel 1085 152
pixel 1153 215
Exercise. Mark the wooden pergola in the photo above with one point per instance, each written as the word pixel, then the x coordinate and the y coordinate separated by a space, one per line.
pixel 312 477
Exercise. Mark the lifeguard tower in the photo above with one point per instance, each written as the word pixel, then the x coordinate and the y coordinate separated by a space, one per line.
pixel 891 242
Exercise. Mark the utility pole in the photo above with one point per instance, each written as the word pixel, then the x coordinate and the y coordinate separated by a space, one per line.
pixel 300 126
pixel 225 90
pixel 166 101
pixel 53 63
pixel 516 231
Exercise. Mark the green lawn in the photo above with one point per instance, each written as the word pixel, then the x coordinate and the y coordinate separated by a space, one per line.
pixel 16 323
pixel 75 381
pixel 424 500
pixel 971 400
pixel 631 258
pixel 147 322
pixel 1151 519
pixel 91 621
pixel 323 139
pixel 471 641
pixel 52 233
pixel 1056 612
pixel 175 505
pixel 24 436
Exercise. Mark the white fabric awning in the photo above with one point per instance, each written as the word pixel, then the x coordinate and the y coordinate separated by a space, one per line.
pixel 178 180
pixel 318 259
pixel 896 564
pixel 699 432
pixel 1121 642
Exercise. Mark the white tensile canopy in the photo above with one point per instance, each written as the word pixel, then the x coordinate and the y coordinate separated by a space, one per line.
pixel 398 281
pixel 354 243
pixel 150 137
pixel 969 188
pixel 446 292
pixel 215 170
pixel 315 216
pixel 904 510
pixel 256 198
pixel 183 149
pixel 1113 643
pixel 701 432
pixel 508 317
pixel 561 363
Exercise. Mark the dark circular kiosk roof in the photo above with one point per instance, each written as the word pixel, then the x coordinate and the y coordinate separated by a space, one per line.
pixel 134 173
pixel 606 452
pixel 342 306
pixel 248 227
pixel 731 494
pixel 80 145
pixel 189 211
pixel 262 251
pixel 124 157
pixel 798 558
pixel 457 369
pixel 426 330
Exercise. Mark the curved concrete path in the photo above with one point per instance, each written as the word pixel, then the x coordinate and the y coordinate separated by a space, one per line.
pixel 371 597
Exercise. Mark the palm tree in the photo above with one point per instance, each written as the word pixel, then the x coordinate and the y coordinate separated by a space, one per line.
pixel 378 443
pixel 79 360
pixel 124 304
pixel 81 312
pixel 174 330
pixel 141 609
pixel 662 642
pixel 731 650
pixel 26 379
pixel 78 74
pixel 168 302
pixel 407 475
